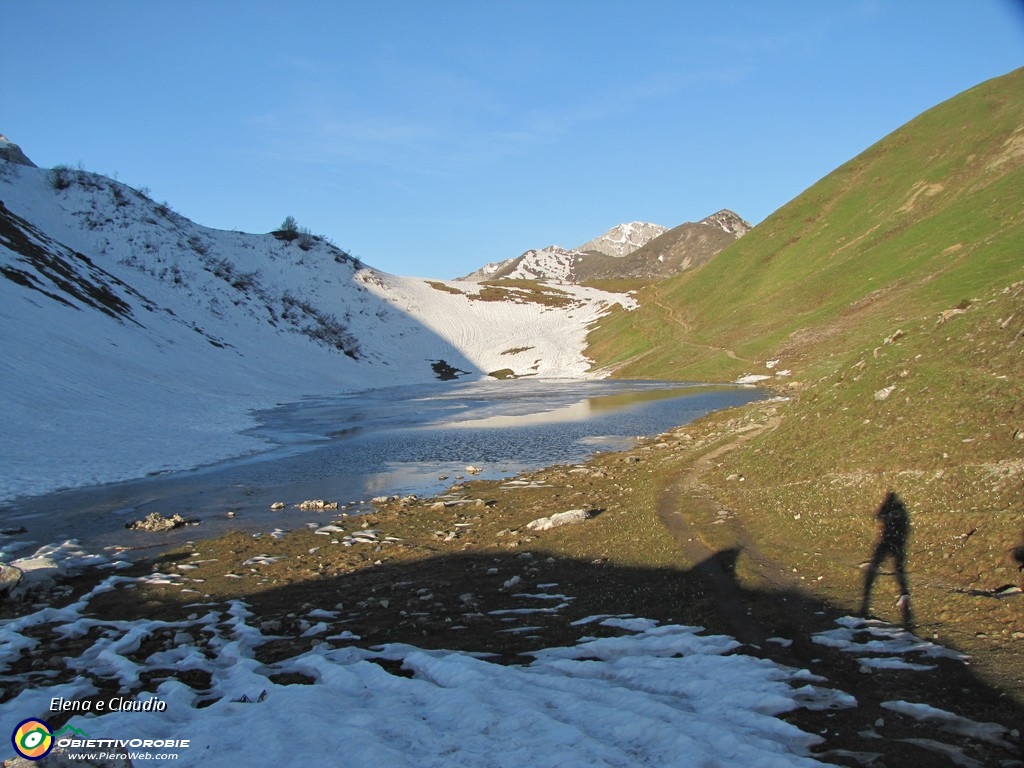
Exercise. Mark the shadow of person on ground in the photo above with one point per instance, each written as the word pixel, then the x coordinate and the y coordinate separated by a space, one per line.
pixel 1017 553
pixel 894 524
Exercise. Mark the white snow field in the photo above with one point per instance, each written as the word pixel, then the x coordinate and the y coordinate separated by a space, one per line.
pixel 661 695
pixel 644 694
pixel 133 340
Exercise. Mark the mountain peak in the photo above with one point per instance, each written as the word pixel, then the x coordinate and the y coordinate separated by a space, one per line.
pixel 12 153
pixel 623 239
pixel 727 221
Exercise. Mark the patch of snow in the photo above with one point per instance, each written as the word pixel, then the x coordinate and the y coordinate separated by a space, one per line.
pixel 993 733
pixel 646 697
pixel 870 636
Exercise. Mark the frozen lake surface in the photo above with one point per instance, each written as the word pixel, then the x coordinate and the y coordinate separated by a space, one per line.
pixel 351 447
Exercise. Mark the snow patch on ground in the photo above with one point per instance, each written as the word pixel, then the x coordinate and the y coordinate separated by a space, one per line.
pixel 651 694
pixel 646 697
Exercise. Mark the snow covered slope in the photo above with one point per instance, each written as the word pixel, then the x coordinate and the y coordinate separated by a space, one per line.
pixel 536 330
pixel 133 340
pixel 551 263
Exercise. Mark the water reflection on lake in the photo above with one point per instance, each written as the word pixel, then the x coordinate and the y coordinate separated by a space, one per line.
pixel 354 446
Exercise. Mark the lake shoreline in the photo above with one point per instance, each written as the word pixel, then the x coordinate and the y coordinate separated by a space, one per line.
pixel 451 572
pixel 350 448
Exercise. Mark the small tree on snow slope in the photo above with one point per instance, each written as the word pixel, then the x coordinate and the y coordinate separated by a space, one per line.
pixel 289 228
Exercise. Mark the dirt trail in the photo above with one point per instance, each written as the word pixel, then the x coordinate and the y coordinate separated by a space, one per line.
pixel 685 327
pixel 681 503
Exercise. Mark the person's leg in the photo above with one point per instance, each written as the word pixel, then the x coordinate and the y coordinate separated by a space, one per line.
pixel 869 578
pixel 904 601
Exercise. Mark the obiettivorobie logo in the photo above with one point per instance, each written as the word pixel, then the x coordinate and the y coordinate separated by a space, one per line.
pixel 34 738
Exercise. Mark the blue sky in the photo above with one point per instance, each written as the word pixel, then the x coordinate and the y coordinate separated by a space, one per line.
pixel 431 137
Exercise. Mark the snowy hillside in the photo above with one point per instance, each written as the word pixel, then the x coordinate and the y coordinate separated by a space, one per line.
pixel 551 263
pixel 134 340
pixel 536 330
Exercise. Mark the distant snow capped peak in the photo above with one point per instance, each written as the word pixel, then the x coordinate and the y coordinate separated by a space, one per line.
pixel 623 239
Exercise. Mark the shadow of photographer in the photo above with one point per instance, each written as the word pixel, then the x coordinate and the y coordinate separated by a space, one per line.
pixel 894 531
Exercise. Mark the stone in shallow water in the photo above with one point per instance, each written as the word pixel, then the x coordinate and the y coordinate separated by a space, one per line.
pixel 156 522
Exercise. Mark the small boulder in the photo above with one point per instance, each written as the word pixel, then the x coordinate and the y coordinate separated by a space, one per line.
pixel 154 521
pixel 10 577
pixel 884 393
pixel 571 517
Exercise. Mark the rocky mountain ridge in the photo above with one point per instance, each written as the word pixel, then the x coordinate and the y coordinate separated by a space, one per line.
pixel 634 250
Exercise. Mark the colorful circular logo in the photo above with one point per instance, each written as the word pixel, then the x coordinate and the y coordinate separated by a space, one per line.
pixel 33 739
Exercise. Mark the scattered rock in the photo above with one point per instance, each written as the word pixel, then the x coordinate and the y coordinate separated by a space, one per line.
pixel 317 505
pixel 883 393
pixel 571 517
pixel 277 505
pixel 895 337
pixel 946 314
pixel 473 470
pixel 10 577
pixel 156 522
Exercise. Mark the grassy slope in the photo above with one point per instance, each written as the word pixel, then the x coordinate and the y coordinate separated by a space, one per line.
pixel 929 219
pixel 925 218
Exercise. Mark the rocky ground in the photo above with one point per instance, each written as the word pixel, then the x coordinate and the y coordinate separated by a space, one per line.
pixel 472 571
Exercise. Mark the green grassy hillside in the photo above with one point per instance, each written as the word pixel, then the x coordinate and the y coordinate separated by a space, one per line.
pixel 929 216
pixel 893 290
